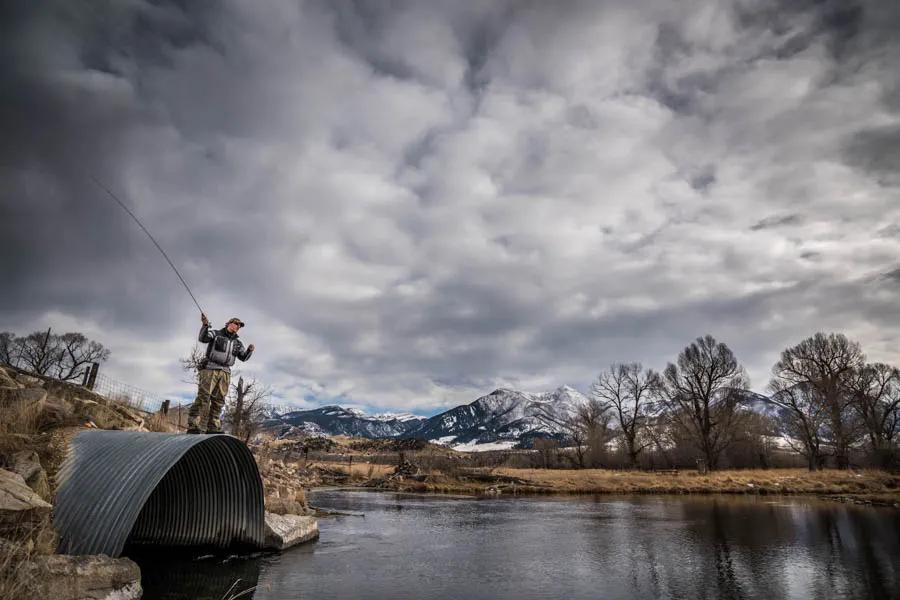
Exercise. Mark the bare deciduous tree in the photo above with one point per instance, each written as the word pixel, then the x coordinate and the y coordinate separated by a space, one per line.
pixel 827 364
pixel 703 394
pixel 40 352
pixel 579 439
pixel 876 392
pixel 627 391
pixel 192 364
pixel 63 356
pixel 801 419
pixel 8 347
pixel 244 410
pixel 77 352
pixel 592 419
pixel 546 448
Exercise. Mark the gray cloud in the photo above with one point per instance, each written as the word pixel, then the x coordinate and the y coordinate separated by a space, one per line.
pixel 777 221
pixel 413 203
pixel 892 275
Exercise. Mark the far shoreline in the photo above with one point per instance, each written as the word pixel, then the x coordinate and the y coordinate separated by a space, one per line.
pixel 866 486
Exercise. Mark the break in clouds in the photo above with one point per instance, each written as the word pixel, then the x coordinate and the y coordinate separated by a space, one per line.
pixel 414 203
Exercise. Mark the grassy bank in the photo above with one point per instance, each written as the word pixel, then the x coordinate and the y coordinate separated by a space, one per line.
pixel 771 481
pixel 880 486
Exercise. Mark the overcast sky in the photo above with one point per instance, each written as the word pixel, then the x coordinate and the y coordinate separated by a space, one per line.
pixel 413 203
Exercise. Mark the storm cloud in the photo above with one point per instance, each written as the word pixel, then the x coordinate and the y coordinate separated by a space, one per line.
pixel 412 203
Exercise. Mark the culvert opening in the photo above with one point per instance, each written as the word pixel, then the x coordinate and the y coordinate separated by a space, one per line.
pixel 155 490
pixel 206 500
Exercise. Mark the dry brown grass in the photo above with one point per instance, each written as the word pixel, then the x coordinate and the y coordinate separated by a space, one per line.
pixel 160 423
pixel 773 481
pixel 12 584
pixel 20 547
pixel 868 483
pixel 20 416
pixel 360 472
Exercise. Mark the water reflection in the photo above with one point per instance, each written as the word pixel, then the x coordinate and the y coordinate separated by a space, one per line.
pixel 183 577
pixel 606 547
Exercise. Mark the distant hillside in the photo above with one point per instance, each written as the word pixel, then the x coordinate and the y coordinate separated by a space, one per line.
pixel 503 419
pixel 335 420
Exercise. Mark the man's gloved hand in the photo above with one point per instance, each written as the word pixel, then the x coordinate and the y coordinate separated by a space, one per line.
pixel 204 320
pixel 251 348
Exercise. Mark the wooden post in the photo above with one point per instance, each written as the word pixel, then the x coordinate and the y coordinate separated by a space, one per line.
pixel 92 379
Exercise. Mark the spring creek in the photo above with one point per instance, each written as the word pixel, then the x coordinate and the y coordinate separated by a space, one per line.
pixel 615 547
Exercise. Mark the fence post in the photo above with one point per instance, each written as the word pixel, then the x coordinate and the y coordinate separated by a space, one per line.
pixel 84 379
pixel 92 378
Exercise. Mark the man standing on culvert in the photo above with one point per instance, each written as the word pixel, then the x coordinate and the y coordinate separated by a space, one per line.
pixel 222 347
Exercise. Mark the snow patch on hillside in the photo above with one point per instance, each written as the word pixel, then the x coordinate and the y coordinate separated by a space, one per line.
pixel 474 446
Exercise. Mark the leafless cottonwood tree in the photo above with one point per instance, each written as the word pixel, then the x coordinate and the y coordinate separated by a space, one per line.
pixel 876 398
pixel 628 392
pixel 45 353
pixel 703 394
pixel 192 364
pixel 77 352
pixel 40 352
pixel 828 365
pixel 578 437
pixel 546 448
pixel 801 419
pixel 244 410
pixel 8 350
pixel 593 420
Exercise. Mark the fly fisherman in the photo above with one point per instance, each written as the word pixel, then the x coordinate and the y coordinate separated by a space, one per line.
pixel 222 347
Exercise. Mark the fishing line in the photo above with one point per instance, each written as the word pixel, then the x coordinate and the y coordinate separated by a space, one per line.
pixel 149 235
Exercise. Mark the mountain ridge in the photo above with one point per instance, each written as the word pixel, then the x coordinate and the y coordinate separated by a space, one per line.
pixel 503 418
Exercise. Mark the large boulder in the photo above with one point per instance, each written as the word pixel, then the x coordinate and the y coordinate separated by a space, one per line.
pixel 7 380
pixel 63 577
pixel 21 508
pixel 12 396
pixel 27 464
pixel 29 380
pixel 284 531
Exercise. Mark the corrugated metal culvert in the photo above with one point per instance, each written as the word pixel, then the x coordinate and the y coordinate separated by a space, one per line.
pixel 119 487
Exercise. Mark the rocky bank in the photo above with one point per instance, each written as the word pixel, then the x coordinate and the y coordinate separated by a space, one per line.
pixel 38 418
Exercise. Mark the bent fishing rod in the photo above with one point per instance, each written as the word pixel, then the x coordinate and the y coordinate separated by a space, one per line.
pixel 149 235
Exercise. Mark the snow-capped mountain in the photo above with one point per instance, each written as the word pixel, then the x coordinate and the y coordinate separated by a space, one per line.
pixel 504 417
pixel 335 420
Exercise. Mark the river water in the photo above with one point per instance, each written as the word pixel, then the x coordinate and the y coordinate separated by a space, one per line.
pixel 428 547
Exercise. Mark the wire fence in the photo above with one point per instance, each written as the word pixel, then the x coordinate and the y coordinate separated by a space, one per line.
pixel 150 402
pixel 125 393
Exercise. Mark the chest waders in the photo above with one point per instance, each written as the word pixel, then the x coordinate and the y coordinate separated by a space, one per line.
pixel 214 380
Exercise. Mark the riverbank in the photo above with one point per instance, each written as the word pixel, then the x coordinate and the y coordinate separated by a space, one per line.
pixel 39 418
pixel 867 486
